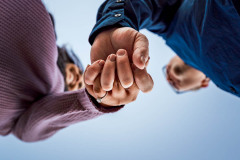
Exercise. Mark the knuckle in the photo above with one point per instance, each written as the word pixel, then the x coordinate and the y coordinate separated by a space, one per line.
pixel 131 32
pixel 93 69
pixel 118 102
pixel 143 37
pixel 87 80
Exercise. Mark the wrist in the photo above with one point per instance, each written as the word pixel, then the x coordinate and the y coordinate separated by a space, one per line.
pixel 103 107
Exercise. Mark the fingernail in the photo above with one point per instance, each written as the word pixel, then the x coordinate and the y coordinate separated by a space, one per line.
pixel 112 57
pixel 101 62
pixel 121 53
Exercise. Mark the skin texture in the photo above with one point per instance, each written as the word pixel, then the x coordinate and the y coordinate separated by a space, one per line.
pixel 136 46
pixel 107 77
pixel 183 77
pixel 105 74
pixel 74 77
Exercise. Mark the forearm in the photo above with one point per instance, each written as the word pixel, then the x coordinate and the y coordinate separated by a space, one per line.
pixel 153 15
pixel 54 112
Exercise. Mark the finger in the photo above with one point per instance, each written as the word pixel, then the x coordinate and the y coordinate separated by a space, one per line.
pixel 118 95
pixel 143 80
pixel 124 96
pixel 124 69
pixel 108 73
pixel 140 51
pixel 133 92
pixel 147 62
pixel 92 72
pixel 118 90
pixel 97 89
pixel 89 89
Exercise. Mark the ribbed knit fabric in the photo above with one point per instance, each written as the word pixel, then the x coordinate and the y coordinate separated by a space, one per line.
pixel 33 105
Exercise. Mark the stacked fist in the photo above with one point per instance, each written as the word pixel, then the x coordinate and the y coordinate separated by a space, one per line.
pixel 118 71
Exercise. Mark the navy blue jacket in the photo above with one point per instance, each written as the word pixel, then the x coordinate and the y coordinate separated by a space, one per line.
pixel 204 33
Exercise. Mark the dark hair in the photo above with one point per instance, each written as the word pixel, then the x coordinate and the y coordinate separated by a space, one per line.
pixel 61 62
pixel 65 55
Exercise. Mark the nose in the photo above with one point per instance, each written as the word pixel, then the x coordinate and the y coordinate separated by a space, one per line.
pixel 173 79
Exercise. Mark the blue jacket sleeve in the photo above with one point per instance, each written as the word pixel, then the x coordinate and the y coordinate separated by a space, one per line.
pixel 154 15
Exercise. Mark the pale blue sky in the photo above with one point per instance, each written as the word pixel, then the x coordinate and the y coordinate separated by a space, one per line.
pixel 203 125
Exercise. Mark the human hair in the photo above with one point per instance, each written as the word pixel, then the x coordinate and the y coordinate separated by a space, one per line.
pixel 65 55
pixel 62 60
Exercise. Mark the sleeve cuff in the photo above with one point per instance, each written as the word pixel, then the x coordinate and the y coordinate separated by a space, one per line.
pixel 101 108
pixel 115 18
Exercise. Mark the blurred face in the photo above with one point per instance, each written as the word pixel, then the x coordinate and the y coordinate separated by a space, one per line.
pixel 183 77
pixel 74 77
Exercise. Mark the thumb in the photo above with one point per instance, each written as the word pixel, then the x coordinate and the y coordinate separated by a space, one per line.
pixel 140 51
pixel 143 80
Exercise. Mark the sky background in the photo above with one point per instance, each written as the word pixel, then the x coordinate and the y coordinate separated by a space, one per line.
pixel 160 125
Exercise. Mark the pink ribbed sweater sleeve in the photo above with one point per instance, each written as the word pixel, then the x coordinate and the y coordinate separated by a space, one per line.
pixel 52 113
pixel 33 105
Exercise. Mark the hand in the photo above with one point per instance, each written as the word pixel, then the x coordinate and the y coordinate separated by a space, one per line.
pixel 101 77
pixel 136 44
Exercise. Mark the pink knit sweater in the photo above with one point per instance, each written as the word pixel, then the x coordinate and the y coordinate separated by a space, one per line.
pixel 33 104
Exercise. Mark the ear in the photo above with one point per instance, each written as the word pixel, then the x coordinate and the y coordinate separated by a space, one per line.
pixel 72 78
pixel 205 82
